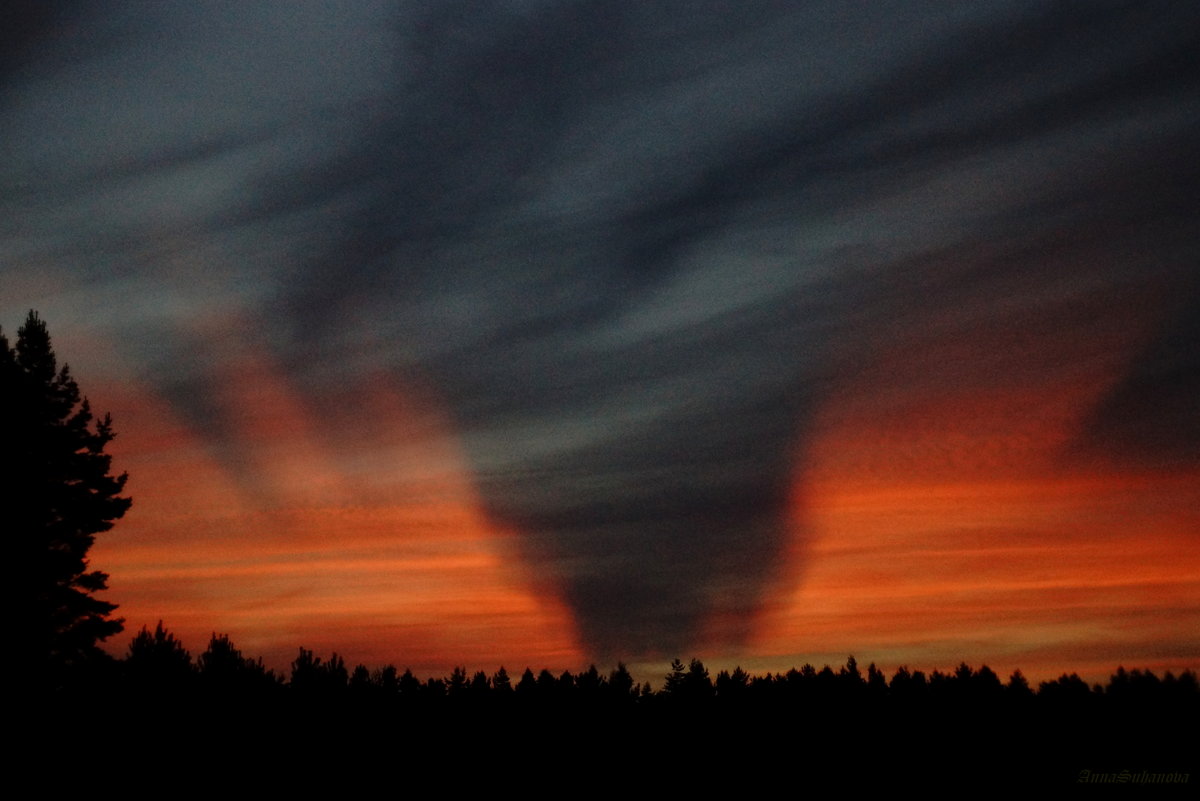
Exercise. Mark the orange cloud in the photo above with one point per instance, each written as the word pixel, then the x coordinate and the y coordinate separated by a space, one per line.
pixel 946 519
pixel 398 567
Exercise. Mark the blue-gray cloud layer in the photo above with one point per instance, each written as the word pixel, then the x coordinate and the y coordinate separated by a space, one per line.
pixel 634 245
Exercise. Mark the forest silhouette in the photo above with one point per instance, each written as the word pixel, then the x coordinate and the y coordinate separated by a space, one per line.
pixel 61 493
pixel 966 726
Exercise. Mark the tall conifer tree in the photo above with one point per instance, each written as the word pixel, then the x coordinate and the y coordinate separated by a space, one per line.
pixel 58 494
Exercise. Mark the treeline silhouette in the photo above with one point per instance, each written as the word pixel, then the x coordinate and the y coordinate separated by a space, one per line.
pixel 936 727
pixel 158 665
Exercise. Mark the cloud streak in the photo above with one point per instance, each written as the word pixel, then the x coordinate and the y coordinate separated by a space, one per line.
pixel 636 251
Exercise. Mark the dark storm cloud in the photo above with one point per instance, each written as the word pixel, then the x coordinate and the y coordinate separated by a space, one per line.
pixel 552 179
pixel 635 245
pixel 22 23
pixel 1151 418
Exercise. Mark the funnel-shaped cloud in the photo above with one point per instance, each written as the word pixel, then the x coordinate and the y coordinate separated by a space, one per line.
pixel 633 246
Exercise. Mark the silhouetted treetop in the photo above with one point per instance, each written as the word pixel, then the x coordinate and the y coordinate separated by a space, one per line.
pixel 59 493
pixel 158 662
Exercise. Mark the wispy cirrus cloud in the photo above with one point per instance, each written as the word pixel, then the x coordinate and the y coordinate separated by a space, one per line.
pixel 637 251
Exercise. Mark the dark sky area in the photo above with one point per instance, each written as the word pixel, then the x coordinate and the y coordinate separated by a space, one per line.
pixel 636 251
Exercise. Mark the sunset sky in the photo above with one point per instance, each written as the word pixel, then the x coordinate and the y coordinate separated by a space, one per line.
pixel 544 332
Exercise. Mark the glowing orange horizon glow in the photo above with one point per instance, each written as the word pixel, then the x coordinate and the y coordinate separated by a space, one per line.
pixel 383 569
pixel 960 525
pixel 933 526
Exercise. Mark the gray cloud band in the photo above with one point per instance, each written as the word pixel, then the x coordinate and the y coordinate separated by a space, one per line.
pixel 635 248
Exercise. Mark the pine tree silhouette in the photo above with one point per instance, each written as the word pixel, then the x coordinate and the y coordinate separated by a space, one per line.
pixel 58 495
